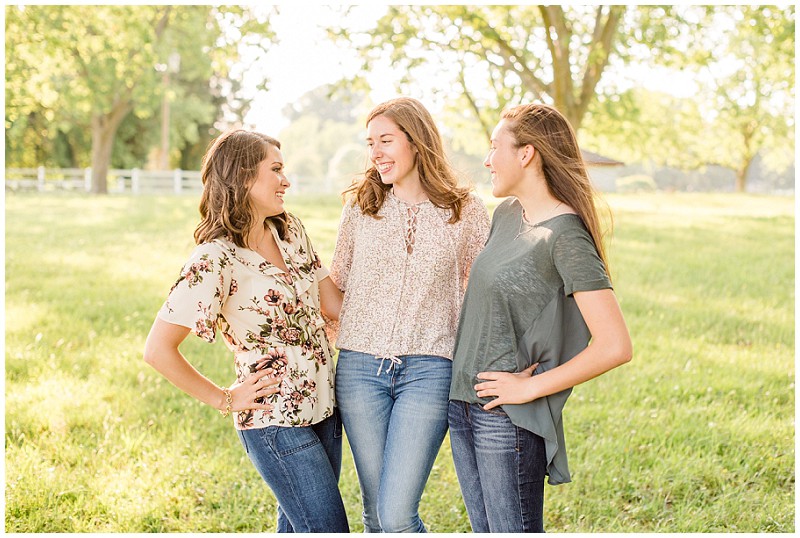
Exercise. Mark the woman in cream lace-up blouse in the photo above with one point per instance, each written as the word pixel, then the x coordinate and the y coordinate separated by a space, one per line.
pixel 407 238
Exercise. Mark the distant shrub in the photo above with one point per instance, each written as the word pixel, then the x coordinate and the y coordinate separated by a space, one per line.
pixel 636 183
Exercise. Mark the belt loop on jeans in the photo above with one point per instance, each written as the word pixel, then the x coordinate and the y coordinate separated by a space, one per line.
pixel 393 360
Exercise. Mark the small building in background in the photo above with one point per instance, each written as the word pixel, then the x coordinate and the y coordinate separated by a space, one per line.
pixel 603 171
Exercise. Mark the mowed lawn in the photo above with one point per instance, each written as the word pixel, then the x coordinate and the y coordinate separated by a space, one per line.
pixel 696 434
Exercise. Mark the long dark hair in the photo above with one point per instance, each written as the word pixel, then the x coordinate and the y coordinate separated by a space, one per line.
pixel 229 167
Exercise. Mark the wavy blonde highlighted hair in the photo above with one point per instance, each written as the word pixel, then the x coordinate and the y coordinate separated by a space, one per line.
pixel 230 166
pixel 437 177
pixel 549 132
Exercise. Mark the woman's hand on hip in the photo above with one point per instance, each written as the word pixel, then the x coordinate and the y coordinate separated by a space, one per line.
pixel 507 387
pixel 256 385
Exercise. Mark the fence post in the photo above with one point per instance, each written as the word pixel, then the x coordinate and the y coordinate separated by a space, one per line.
pixel 135 181
pixel 40 178
pixel 87 179
pixel 177 179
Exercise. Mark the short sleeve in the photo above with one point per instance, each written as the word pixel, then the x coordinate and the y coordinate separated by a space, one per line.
pixel 578 263
pixel 343 252
pixel 196 299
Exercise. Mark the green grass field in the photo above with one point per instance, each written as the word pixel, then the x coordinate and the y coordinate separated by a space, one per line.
pixel 696 434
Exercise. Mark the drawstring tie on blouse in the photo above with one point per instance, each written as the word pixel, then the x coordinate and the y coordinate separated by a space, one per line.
pixel 393 360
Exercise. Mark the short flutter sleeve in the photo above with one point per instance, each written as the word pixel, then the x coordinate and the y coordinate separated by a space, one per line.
pixel 195 300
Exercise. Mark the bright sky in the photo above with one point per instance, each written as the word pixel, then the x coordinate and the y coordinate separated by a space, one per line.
pixel 304 59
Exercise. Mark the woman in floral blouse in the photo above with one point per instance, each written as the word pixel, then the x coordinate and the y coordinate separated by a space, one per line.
pixel 255 276
pixel 406 242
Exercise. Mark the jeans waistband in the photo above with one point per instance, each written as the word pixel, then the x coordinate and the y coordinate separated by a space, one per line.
pixel 393 360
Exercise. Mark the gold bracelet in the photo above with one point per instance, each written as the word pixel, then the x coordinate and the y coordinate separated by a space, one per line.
pixel 228 403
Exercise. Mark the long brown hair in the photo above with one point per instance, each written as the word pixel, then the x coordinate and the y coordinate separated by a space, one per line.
pixel 435 173
pixel 549 132
pixel 229 167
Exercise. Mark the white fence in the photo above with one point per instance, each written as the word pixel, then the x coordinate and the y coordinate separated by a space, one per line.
pixel 119 181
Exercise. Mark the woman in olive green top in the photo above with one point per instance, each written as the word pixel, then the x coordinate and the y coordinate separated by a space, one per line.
pixel 537 293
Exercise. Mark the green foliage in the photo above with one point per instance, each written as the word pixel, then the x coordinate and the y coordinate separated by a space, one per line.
pixel 135 138
pixel 576 57
pixel 754 99
pixel 75 70
pixel 503 54
pixel 658 35
pixel 645 126
pixel 742 61
pixel 324 144
pixel 696 434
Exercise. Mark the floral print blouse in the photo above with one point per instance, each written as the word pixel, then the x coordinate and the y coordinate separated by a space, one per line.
pixel 400 300
pixel 270 319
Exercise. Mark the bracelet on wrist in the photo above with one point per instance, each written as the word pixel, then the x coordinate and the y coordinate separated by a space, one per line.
pixel 228 403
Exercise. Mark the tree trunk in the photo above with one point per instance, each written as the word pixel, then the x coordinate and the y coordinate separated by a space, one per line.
pixel 573 115
pixel 573 102
pixel 741 175
pixel 104 129
pixel 748 154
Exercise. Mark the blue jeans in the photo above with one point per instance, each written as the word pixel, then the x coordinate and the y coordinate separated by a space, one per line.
pixel 500 469
pixel 301 465
pixel 395 422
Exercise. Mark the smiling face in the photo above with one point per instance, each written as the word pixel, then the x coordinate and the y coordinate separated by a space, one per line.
pixel 269 185
pixel 390 151
pixel 504 162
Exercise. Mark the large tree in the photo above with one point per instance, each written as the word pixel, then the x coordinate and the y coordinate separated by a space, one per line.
pixel 749 84
pixel 738 77
pixel 87 68
pixel 502 54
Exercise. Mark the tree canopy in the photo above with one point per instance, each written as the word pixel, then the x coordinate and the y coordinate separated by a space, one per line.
pixel 503 54
pixel 90 85
pixel 574 58
pixel 75 74
pixel 750 86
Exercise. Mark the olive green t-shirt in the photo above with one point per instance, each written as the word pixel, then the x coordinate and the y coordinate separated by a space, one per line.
pixel 518 309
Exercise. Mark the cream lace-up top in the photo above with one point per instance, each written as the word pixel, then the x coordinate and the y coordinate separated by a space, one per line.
pixel 404 275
